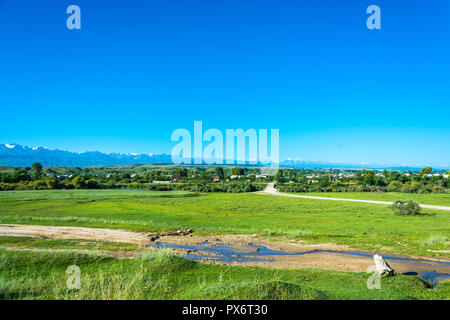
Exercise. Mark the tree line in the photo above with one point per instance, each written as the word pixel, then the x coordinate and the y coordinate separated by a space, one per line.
pixel 364 181
pixel 220 179
pixel 216 179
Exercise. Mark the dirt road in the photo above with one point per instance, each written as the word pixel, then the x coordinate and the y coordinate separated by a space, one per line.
pixel 96 234
pixel 270 189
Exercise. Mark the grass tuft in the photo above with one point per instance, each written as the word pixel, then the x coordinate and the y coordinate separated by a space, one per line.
pixel 435 239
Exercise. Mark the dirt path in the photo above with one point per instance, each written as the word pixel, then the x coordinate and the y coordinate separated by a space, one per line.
pixel 270 189
pixel 97 234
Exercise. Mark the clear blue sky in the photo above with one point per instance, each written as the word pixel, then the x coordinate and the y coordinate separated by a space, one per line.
pixel 137 70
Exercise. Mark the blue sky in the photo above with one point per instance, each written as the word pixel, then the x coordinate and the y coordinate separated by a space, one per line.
pixel 137 70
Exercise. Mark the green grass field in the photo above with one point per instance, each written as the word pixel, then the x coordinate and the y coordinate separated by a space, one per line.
pixel 360 225
pixel 34 269
pixel 438 199
pixel 31 275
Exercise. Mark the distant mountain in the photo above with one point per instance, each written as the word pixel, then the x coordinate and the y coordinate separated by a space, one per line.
pixel 22 156
pixel 17 155
pixel 298 163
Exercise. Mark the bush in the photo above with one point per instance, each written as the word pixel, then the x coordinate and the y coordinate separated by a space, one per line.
pixel 160 187
pixel 39 185
pixel 6 186
pixel 435 239
pixel 438 189
pixel 425 189
pixel 92 184
pixel 406 208
pixel 411 187
pixel 395 186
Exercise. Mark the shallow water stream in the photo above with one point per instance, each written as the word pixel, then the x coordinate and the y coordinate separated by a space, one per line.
pixel 229 254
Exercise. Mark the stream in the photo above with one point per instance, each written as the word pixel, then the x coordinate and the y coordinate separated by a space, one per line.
pixel 228 254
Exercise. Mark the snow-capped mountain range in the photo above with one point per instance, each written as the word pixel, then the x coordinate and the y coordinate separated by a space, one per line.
pixel 22 156
pixel 17 155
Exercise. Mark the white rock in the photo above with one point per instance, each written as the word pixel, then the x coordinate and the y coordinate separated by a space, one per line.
pixel 382 266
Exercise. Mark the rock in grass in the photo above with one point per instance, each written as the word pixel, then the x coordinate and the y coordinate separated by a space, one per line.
pixel 184 232
pixel 382 267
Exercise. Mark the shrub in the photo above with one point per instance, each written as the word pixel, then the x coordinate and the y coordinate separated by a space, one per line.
pixel 425 189
pixel 435 239
pixel 160 187
pixel 6 186
pixel 438 189
pixel 411 187
pixel 406 208
pixel 92 184
pixel 78 182
pixel 395 186
pixel 39 185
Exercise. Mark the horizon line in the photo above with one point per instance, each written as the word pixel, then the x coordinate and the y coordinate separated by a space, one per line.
pixel 364 164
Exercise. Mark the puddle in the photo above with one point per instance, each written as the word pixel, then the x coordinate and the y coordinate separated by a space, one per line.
pixel 221 253
pixel 227 254
pixel 434 277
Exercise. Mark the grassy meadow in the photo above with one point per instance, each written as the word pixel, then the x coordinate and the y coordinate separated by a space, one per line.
pixel 438 199
pixel 373 226
pixel 36 268
pixel 34 275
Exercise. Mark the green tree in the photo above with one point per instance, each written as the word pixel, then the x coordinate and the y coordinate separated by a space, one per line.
pixel 78 182
pixel 219 172
pixel 395 186
pixel 92 184
pixel 369 178
pixel 37 171
pixel 52 182
pixel 324 181
pixel 426 170
pixel 279 177
pixel 182 172
pixel 411 187
pixel 238 171
pixel 359 176
pixel 20 175
pixel 394 176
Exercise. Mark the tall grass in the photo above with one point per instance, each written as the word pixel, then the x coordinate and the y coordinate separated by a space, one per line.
pixel 291 234
pixel 164 276
pixel 434 240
